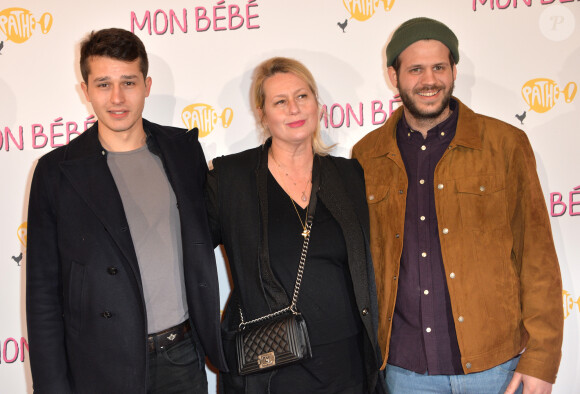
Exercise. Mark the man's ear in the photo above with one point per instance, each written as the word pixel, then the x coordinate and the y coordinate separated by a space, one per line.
pixel 85 89
pixel 392 76
pixel 148 82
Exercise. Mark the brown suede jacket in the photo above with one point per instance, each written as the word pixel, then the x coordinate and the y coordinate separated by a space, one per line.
pixel 500 262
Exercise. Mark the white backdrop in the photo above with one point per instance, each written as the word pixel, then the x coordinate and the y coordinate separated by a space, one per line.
pixel 517 58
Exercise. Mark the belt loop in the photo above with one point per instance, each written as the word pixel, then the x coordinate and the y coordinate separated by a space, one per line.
pixel 158 348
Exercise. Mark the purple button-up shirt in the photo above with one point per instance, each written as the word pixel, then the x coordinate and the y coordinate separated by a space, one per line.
pixel 423 336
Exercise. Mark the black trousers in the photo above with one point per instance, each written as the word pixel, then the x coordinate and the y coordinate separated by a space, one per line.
pixel 177 370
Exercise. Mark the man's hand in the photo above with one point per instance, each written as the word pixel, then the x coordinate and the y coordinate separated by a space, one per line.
pixel 531 385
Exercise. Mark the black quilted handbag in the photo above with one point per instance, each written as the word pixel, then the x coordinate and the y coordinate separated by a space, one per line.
pixel 277 339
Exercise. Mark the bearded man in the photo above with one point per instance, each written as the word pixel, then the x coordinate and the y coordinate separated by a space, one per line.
pixel 468 281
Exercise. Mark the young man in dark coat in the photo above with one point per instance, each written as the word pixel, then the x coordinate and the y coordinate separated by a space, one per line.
pixel 122 287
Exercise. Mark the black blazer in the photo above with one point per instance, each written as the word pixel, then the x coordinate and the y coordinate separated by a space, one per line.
pixel 237 200
pixel 87 324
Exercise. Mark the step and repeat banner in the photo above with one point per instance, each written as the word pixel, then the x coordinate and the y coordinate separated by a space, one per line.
pixel 520 62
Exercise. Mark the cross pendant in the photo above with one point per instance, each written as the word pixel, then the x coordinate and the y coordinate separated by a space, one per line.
pixel 305 233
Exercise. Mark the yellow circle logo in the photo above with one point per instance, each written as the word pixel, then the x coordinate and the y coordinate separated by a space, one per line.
pixel 205 118
pixel 361 10
pixel 18 24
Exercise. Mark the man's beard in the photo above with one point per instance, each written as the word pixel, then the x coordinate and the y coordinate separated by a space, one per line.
pixel 419 114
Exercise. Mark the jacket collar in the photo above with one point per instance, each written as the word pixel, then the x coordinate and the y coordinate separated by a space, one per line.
pixel 469 128
pixel 468 133
pixel 386 141
pixel 88 145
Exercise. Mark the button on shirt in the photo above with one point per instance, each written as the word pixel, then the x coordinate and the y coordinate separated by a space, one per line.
pixel 423 335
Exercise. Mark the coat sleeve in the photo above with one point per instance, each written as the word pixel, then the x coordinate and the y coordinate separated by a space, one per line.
pixel 44 299
pixel 537 265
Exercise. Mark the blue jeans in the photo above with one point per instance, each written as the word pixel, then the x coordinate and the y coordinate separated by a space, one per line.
pixel 177 370
pixel 492 381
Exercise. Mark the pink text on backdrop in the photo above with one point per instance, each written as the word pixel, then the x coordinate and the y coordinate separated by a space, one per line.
pixel 558 207
pixel 58 133
pixel 219 18
pixel 12 350
pixel 338 115
pixel 503 4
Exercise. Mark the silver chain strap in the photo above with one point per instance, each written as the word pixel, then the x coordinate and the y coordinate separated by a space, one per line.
pixel 292 306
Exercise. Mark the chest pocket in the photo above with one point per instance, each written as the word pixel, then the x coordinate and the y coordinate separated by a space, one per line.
pixel 482 202
pixel 377 193
pixel 377 200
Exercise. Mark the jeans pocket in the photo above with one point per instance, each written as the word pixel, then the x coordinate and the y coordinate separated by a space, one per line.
pixel 181 354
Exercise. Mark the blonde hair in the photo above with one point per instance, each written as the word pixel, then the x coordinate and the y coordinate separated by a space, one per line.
pixel 277 65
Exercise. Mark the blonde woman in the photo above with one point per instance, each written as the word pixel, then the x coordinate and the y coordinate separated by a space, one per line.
pixel 259 202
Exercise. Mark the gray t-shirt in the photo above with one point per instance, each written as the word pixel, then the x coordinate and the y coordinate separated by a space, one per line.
pixel 151 209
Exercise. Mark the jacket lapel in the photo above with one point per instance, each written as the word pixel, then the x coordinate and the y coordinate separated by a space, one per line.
pixel 85 167
pixel 335 198
pixel 273 289
pixel 183 175
pixel 386 140
pixel 469 128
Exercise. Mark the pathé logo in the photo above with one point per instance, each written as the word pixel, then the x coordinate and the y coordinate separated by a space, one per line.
pixel 205 117
pixel 541 93
pixel 22 233
pixel 568 303
pixel 361 10
pixel 18 24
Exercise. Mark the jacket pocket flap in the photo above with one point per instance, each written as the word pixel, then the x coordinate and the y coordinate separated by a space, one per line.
pixel 376 193
pixel 480 185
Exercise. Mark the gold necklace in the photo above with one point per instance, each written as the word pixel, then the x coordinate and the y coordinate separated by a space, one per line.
pixel 305 231
pixel 282 170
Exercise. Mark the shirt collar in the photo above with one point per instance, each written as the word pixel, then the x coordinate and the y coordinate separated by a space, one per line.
pixel 442 132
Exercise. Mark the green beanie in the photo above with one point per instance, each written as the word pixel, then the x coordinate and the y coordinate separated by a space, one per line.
pixel 421 29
